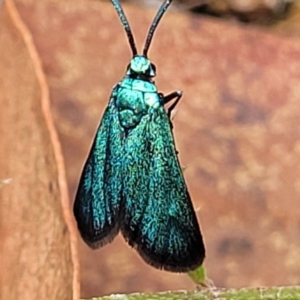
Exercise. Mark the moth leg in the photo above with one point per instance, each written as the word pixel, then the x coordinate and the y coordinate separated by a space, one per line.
pixel 175 95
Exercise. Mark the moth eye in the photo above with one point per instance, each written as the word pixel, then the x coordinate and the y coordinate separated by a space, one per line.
pixel 153 68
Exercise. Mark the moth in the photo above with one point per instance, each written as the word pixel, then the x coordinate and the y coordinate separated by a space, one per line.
pixel 132 181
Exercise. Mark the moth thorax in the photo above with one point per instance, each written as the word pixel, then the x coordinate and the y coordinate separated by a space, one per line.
pixel 131 107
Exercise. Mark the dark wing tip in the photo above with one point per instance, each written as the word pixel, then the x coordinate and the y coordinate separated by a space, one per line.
pixel 98 238
pixel 183 262
pixel 186 257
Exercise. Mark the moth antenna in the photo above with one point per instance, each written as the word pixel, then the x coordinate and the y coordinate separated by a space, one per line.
pixel 154 24
pixel 125 24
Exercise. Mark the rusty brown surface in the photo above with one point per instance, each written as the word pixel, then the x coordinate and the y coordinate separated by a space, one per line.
pixel 236 129
pixel 35 241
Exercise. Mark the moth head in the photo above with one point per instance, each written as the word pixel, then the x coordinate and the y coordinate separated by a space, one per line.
pixel 141 66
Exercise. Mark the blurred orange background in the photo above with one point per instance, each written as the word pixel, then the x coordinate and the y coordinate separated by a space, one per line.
pixel 237 130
